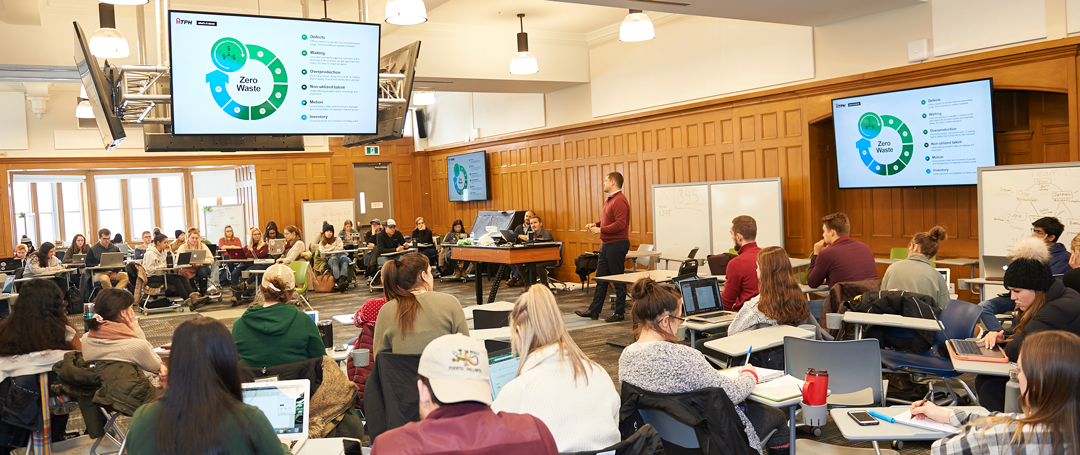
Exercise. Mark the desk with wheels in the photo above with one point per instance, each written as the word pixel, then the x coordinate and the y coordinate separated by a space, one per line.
pixel 505 255
pixel 885 431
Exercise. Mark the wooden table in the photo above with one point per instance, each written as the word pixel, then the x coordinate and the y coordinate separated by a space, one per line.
pixel 517 254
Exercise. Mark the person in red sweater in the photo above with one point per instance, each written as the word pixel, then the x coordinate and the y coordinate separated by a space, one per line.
pixel 741 282
pixel 455 409
pixel 838 258
pixel 614 232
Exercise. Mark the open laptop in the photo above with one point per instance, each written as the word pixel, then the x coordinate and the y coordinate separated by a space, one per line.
pixel 286 405
pixel 510 237
pixel 112 260
pixel 124 248
pixel 10 264
pixel 277 246
pixel 183 258
pixel 994 266
pixel 502 368
pixel 198 256
pixel 973 350
pixel 701 301
pixel 78 259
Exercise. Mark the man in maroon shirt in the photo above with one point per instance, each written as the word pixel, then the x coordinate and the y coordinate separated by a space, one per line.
pixel 838 258
pixel 741 276
pixel 614 231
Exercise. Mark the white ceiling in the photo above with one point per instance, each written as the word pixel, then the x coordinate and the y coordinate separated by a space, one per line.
pixel 796 12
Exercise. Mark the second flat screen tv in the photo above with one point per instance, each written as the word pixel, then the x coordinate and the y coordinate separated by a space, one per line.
pixel 253 75
pixel 466 176
pixel 930 136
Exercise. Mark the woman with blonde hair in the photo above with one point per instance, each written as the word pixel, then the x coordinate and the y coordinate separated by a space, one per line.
pixel 257 249
pixel 556 382
pixel 1071 279
pixel 198 273
pixel 915 274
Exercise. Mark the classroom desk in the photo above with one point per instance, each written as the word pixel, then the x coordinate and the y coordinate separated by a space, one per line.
pixel 497 306
pixel 339 356
pixel 500 334
pixel 7 296
pixel 987 368
pixel 959 262
pixel 801 264
pixel 635 255
pixel 885 431
pixel 966 283
pixel 395 253
pixel 632 277
pixel 809 290
pixel 887 261
pixel 503 254
pixel 760 339
pixel 696 326
pixel 889 320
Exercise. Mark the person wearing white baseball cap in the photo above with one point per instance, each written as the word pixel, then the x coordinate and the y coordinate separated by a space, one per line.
pixel 273 332
pixel 455 412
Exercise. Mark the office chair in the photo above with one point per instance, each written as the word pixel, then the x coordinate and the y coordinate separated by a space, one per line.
pixel 300 272
pixel 551 268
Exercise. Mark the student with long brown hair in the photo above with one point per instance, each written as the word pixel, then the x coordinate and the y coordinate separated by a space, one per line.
pixel 780 300
pixel 257 249
pixel 78 246
pixel 915 274
pixel 293 245
pixel 414 314
pixel 1049 365
pixel 115 334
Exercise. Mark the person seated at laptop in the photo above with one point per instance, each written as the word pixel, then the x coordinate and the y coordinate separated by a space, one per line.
pixel 257 249
pixel 181 238
pixel 115 334
pixel 537 233
pixel 1049 365
pixel 522 232
pixel 274 332
pixel 388 241
pixel 44 264
pixel 657 363
pixel 556 382
pixel 78 246
pixel 741 281
pixel 414 314
pixel 156 261
pixel 203 410
pixel 457 232
pixel 294 247
pixel 781 301
pixel 93 259
pixel 1045 304
pixel 272 232
pixel 1047 229
pixel 1071 279
pixel 198 273
pixel 118 239
pixel 838 258
pixel 455 412
pixel 422 235
pixel 915 274
pixel 140 250
pixel 348 233
pixel 21 253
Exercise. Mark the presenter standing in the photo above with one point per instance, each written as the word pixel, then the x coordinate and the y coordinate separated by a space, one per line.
pixel 614 232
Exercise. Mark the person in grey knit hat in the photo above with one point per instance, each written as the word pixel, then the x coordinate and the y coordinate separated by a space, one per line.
pixel 1044 303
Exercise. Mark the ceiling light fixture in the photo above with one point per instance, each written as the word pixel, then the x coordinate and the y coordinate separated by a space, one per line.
pixel 636 27
pixel 406 12
pixel 523 61
pixel 125 2
pixel 107 41
pixel 83 110
pixel 423 98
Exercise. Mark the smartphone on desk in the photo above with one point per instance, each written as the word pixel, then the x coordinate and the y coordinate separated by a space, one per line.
pixel 862 418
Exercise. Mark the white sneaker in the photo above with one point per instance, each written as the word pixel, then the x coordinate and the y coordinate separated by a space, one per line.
pixel 213 290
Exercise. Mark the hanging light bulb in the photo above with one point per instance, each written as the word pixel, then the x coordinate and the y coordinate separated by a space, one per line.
pixel 107 41
pixel 636 27
pixel 523 61
pixel 125 2
pixel 423 98
pixel 83 110
pixel 406 12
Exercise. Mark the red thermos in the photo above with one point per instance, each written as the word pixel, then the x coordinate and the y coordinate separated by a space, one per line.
pixel 815 389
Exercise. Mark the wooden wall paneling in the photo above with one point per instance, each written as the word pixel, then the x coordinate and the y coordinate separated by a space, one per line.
pixel 7 216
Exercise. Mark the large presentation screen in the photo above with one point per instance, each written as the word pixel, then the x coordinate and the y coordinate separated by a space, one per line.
pixel 467 176
pixel 926 136
pixel 234 74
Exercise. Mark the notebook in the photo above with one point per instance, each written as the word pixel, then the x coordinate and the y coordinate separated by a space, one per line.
pixel 926 424
pixel 286 405
pixel 783 388
pixel 502 368
pixel 764 374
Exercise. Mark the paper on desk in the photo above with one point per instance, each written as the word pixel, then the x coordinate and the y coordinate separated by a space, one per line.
pixel 764 374
pixel 925 424
pixel 344 319
pixel 783 388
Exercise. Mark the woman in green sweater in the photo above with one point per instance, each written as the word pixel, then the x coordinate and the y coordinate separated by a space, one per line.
pixel 273 332
pixel 414 314
pixel 202 411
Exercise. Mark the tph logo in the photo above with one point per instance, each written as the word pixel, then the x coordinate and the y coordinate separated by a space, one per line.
pixel 840 105
pixel 183 21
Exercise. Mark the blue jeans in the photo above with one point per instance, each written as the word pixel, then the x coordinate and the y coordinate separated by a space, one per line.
pixel 992 307
pixel 816 307
pixel 339 265
pixel 515 271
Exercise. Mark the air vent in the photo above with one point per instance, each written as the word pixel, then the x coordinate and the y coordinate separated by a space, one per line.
pixel 663 2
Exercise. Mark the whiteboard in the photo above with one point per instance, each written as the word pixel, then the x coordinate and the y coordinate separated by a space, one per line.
pixel 681 219
pixel 313 213
pixel 216 217
pixel 1012 197
pixel 759 198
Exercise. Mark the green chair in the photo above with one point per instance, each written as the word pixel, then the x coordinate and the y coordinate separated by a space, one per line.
pixel 300 273
pixel 898 253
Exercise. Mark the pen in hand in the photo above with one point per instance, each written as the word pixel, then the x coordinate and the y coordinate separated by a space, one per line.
pixel 921 403
pixel 748 351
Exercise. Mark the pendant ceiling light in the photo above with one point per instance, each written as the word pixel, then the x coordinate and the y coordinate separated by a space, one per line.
pixel 83 110
pixel 636 27
pixel 423 98
pixel 125 2
pixel 406 12
pixel 523 61
pixel 107 41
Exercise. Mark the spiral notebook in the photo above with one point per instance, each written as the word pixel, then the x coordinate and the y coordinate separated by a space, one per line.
pixel 926 424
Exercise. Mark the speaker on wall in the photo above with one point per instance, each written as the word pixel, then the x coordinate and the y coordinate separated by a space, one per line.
pixel 421 124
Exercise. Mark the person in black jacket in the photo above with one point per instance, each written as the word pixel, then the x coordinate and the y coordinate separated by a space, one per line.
pixel 388 241
pixel 537 233
pixel 422 235
pixel 1045 304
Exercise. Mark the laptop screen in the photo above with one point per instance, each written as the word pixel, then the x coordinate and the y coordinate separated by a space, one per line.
pixel 700 296
pixel 502 368
pixel 283 402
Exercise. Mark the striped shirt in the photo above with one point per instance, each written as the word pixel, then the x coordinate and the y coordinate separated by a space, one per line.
pixel 971 439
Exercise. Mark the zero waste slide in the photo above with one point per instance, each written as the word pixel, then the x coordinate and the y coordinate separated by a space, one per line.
pixel 920 137
pixel 467 176
pixel 234 74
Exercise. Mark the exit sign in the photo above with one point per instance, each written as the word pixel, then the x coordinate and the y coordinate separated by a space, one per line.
pixel 371 150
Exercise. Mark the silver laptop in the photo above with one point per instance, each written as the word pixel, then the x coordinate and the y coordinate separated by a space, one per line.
pixel 285 404
pixel 994 266
pixel 124 248
pixel 198 256
pixel 78 258
pixel 277 246
pixel 112 260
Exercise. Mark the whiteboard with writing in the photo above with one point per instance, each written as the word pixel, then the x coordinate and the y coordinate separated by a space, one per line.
pixel 216 217
pixel 681 219
pixel 314 213
pixel 1012 197
pixel 759 198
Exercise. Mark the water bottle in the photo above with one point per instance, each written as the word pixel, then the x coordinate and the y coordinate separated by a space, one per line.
pixel 88 314
pixel 1012 391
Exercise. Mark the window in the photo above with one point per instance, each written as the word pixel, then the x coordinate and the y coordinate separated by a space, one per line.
pixel 73 214
pixel 48 228
pixel 171 203
pixel 142 210
pixel 109 205
pixel 24 212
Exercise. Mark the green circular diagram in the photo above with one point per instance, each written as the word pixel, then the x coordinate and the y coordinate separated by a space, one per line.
pixel 461 179
pixel 230 55
pixel 870 126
